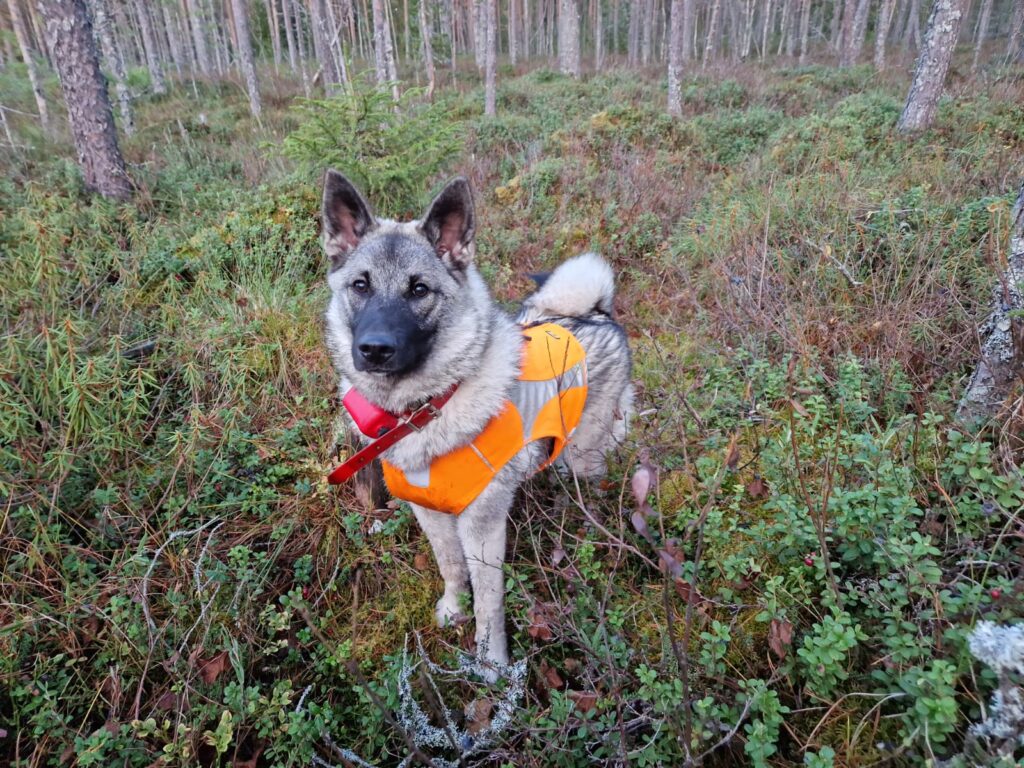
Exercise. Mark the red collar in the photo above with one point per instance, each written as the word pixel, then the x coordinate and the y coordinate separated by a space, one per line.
pixel 387 427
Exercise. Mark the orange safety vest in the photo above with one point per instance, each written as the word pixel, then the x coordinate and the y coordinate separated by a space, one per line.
pixel 546 404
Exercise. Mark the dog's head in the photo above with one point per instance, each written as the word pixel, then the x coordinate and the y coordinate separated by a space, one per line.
pixel 406 297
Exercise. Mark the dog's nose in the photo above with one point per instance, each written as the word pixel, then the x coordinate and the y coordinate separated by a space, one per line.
pixel 377 349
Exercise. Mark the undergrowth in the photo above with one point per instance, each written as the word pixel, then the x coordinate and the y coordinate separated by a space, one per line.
pixel 801 286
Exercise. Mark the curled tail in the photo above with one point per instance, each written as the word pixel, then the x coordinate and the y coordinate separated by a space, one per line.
pixel 581 286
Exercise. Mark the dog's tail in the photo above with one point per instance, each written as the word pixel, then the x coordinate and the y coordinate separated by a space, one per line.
pixel 579 287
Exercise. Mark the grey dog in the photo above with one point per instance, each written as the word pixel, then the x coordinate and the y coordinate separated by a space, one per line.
pixel 410 316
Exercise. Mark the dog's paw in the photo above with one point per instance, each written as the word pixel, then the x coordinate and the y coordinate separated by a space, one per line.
pixel 448 612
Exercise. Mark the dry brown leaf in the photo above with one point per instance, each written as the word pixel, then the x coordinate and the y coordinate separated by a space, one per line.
pixel 798 408
pixel 421 562
pixel 757 488
pixel 210 669
pixel 584 701
pixel 642 482
pixel 780 637
pixel 478 715
pixel 539 617
pixel 550 676
pixel 732 456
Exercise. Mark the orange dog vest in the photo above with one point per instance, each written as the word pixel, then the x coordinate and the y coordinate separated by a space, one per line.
pixel 546 404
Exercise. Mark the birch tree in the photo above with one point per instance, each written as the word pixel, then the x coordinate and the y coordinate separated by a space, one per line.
pixel 490 13
pixel 193 10
pixel 69 32
pixel 882 25
pixel 21 33
pixel 676 44
pixel 932 65
pixel 569 38
pixel 984 16
pixel 1013 46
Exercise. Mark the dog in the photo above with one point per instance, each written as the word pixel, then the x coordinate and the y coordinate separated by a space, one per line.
pixel 410 319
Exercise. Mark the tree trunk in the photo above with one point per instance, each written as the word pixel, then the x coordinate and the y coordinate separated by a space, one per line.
pixel 882 32
pixel 513 32
pixel 178 56
pixel 676 43
pixel 569 38
pixel 932 65
pixel 156 74
pixel 983 19
pixel 598 37
pixel 289 34
pixel 805 29
pixel 633 41
pixel 198 25
pixel 69 30
pixel 245 58
pixel 115 62
pixel 1002 350
pixel 379 37
pixel 647 32
pixel 912 33
pixel 1014 50
pixel 846 33
pixel 712 37
pixel 274 31
pixel 490 14
pixel 428 52
pixel 860 29
pixel 21 33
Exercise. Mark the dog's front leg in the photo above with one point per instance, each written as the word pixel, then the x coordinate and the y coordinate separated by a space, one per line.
pixel 442 532
pixel 482 531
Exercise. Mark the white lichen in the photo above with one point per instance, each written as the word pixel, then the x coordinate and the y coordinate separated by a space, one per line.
pixel 1002 649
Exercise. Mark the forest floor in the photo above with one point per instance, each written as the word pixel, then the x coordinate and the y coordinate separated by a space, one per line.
pixel 802 289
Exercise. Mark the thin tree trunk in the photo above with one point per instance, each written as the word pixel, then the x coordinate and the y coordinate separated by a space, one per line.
pixel 391 43
pixel 712 36
pixel 860 29
pixel 647 38
pixel 69 30
pixel 490 56
pixel 178 57
pixel 983 20
pixel 1014 50
pixel 932 65
pixel 198 25
pixel 428 53
pixel 846 33
pixel 766 27
pixel 379 36
pixel 477 32
pixel 882 32
pixel 912 34
pixel 805 28
pixel 569 38
pixel 289 35
pixel 598 37
pixel 676 57
pixel 245 57
pixel 783 27
pixel 633 41
pixel 115 63
pixel 156 73
pixel 405 30
pixel 21 33
pixel 274 30
pixel 513 32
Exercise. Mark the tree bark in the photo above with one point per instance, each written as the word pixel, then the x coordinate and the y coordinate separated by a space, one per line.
pixel 428 52
pixel 69 31
pixel 847 55
pixel 1002 350
pixel 569 38
pixel 289 34
pixel 379 37
pixel 882 32
pixel 633 34
pixel 805 29
pixel 647 32
pixel 198 26
pixel 983 20
pixel 860 30
pixel 676 43
pixel 513 31
pixel 712 37
pixel 156 74
pixel 245 58
pixel 21 33
pixel 1014 50
pixel 932 65
pixel 115 62
pixel 490 57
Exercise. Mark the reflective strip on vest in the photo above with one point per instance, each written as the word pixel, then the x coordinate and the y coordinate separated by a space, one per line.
pixel 546 404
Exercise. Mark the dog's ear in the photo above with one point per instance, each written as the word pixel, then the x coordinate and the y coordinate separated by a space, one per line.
pixel 346 217
pixel 450 224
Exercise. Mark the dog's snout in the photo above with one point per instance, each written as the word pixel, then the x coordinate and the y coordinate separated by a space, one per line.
pixel 377 348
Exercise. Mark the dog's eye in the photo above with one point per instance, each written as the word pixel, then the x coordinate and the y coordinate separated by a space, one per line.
pixel 360 286
pixel 419 290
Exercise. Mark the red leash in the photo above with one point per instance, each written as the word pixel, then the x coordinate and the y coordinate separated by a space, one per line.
pixel 395 428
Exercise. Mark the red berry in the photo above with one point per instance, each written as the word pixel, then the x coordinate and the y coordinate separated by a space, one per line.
pixel 306 592
pixel 996 593
pixel 808 561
